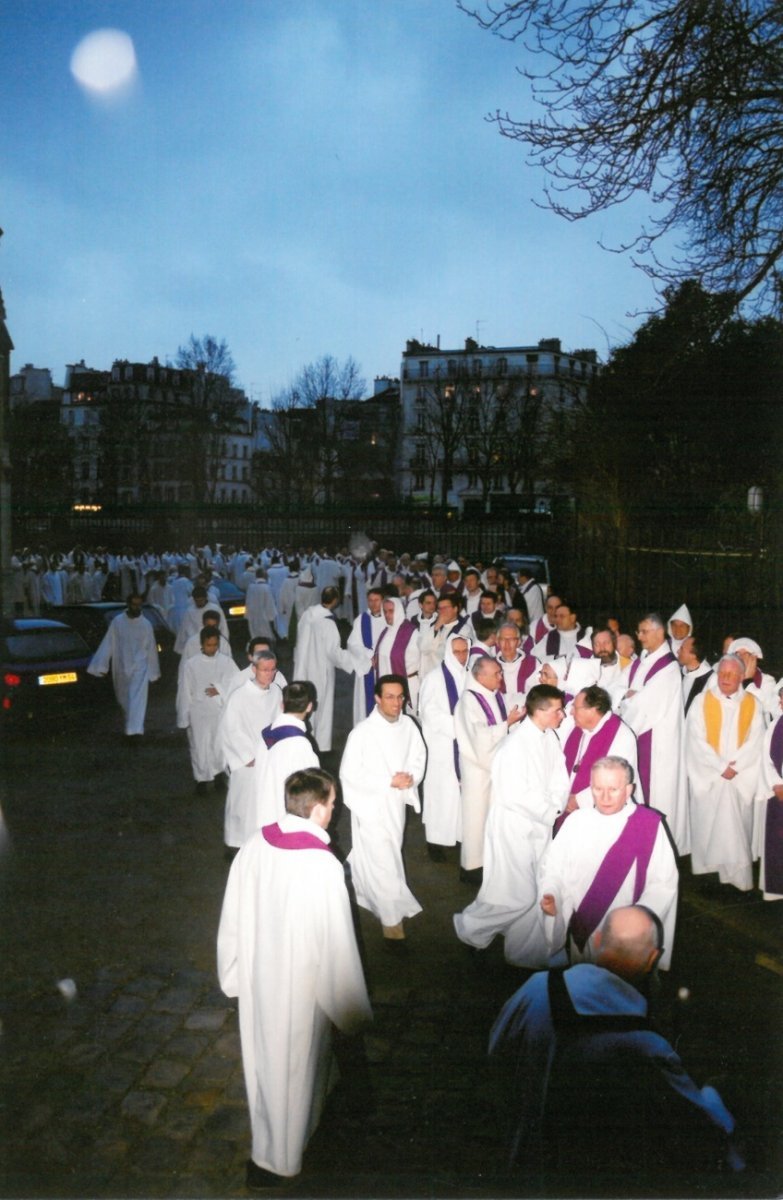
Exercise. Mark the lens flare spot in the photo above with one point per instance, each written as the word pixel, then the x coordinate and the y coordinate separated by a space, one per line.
pixel 104 61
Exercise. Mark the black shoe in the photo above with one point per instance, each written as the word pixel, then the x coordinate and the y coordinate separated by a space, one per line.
pixel 258 1179
pixel 473 878
pixel 436 853
pixel 202 788
pixel 220 783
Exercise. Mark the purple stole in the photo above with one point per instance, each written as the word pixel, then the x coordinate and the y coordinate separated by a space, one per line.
pixel 488 711
pixel 773 827
pixel 369 679
pixel 540 630
pixel 292 841
pixel 598 747
pixel 273 736
pixel 633 846
pixel 644 740
pixel 452 695
pixel 404 633
pixel 526 668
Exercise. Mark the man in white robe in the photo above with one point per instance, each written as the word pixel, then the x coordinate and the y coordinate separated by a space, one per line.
pixel 481 721
pixel 567 638
pixel 287 748
pixel 362 640
pixel 192 618
pixel 532 596
pixel 181 588
pixel 397 649
pixel 260 611
pixel 652 705
pixel 433 638
pixel 612 664
pixel 130 648
pixel 438 698
pixel 254 649
pixel 161 595
pixel 201 696
pixel 318 655
pixel 723 743
pixel 756 681
pixel 529 791
pixel 382 766
pixel 286 947
pixel 520 670
pixel 696 671
pixel 596 732
pixel 606 857
pixel 768 809
pixel 679 626
pixel 249 709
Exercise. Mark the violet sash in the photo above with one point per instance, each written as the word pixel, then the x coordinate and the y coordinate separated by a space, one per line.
pixel 301 840
pixel 526 668
pixel 776 746
pixel 369 678
pixel 400 644
pixel 452 695
pixel 597 747
pixel 662 662
pixel 487 707
pixel 273 736
pixel 633 847
pixel 553 643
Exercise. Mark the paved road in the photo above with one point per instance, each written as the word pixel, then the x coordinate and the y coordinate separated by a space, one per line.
pixel 112 875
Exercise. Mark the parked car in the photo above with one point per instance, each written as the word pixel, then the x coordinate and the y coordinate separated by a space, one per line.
pixel 93 619
pixel 42 663
pixel 535 563
pixel 232 601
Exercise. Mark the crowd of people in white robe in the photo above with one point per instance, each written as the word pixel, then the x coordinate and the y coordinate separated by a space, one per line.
pixel 572 765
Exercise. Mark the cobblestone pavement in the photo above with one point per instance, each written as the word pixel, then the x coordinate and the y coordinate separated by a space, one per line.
pixel 112 877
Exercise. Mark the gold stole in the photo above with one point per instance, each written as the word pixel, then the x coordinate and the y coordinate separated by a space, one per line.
pixel 713 718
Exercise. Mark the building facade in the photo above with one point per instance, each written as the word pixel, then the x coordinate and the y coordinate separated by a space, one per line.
pixel 484 427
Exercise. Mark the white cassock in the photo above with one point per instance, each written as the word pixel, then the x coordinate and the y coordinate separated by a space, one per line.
pixel 200 714
pixel 397 652
pixel 529 790
pixel 533 597
pixel 442 801
pixel 129 645
pixel 682 614
pixel 248 710
pixel 582 752
pixel 478 739
pixel 654 713
pixel 192 647
pixel 375 751
pixel 260 610
pixel 318 654
pixel 162 596
pixel 768 814
pixel 277 575
pixel 285 604
pixel 721 730
pixel 286 947
pixel 290 753
pixel 192 621
pixel 573 859
pixel 181 588
pixel 689 678
pixel 361 644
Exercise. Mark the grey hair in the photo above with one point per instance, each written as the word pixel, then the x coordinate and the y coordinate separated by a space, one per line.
pixel 480 661
pixel 731 658
pixel 509 625
pixel 655 619
pixel 613 762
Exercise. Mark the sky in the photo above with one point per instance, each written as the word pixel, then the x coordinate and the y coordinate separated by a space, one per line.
pixel 302 178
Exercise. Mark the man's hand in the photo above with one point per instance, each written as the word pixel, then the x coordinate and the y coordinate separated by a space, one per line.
pixel 548 905
pixel 778 791
pixel 211 690
pixel 571 803
pixel 515 715
pixel 729 773
pixel 402 779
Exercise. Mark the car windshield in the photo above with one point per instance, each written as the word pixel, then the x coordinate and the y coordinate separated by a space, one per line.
pixel 45 645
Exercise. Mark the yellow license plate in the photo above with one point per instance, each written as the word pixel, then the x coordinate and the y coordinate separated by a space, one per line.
pixel 63 677
pixel 239 611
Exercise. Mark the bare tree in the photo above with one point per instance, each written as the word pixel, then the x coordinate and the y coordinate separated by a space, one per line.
pixel 681 100
pixel 212 410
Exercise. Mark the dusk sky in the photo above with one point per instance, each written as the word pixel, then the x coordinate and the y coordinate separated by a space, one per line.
pixel 300 178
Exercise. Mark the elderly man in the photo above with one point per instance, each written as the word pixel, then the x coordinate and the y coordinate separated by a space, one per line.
pixel 248 710
pixel 438 698
pixel 287 949
pixel 597 732
pixel 481 722
pixel 615 853
pixel 318 655
pixel 130 648
pixel 382 766
pixel 652 705
pixel 759 684
pixel 519 669
pixel 529 790
pixel 724 737
pixel 598 1100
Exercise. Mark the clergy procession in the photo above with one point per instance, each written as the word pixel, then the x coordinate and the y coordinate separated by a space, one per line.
pixel 562 768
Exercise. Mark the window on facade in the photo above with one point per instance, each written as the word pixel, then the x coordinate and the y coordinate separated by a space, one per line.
pixel 420 428
pixel 233 495
pixel 502 366
pixel 418 482
pixel 477 366
pixel 451 368
pixel 424 369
